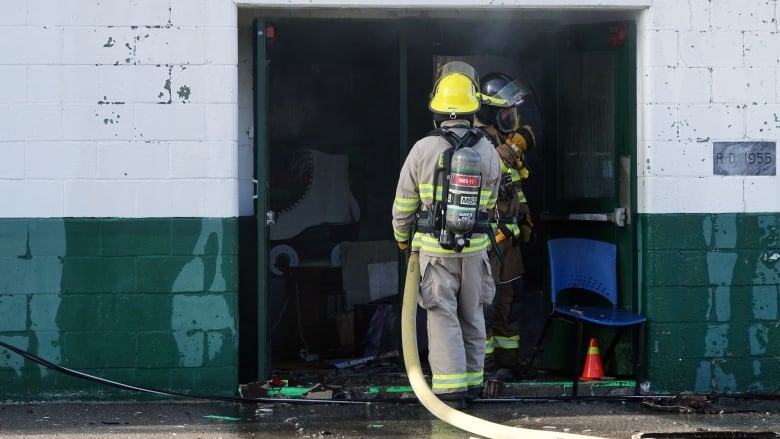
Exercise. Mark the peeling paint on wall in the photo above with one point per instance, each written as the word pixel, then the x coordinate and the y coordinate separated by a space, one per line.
pixel 758 338
pixel 109 117
pixel 11 359
pixel 184 92
pixel 198 323
pixel 721 268
pixel 723 382
pixel 730 306
pixel 765 302
pixel 716 341
pixel 765 293
pixel 167 87
pixel 114 118
pixel 720 233
pixel 201 321
pixel 73 289
pixel 756 386
pixel 132 48
pixel 30 309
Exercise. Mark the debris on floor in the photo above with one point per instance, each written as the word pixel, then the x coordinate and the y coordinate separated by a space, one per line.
pixel 683 404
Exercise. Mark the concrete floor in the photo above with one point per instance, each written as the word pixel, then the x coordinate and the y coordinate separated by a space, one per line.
pixel 730 418
pixel 375 400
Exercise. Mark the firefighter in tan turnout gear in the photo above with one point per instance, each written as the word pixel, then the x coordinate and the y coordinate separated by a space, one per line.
pixel 499 117
pixel 446 186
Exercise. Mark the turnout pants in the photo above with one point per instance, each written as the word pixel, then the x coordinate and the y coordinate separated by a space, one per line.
pixel 502 316
pixel 453 290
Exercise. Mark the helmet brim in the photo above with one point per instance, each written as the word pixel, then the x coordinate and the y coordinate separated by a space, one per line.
pixel 510 95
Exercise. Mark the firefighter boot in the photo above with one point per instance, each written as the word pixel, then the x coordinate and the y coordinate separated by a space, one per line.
pixel 327 200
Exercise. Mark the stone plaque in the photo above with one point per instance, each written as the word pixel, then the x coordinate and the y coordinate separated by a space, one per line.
pixel 744 158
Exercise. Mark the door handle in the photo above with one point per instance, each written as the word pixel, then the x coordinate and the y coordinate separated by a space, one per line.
pixel 618 217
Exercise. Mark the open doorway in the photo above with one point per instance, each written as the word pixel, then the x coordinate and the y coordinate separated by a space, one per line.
pixel 346 98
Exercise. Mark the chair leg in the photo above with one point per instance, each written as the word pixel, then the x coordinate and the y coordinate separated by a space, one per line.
pixel 577 356
pixel 639 354
pixel 538 345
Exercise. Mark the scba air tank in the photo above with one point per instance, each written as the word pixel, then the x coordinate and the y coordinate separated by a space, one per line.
pixel 463 195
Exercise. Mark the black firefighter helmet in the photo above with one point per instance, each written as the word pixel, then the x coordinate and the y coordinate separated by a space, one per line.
pixel 501 95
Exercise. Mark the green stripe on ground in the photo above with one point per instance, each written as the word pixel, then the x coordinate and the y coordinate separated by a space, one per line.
pixel 602 383
pixel 391 389
pixel 292 392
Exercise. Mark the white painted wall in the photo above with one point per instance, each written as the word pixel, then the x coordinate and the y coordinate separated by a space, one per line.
pixel 142 108
pixel 709 71
pixel 118 108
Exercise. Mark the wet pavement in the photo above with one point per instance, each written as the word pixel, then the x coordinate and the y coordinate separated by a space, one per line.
pixel 375 401
pixel 732 418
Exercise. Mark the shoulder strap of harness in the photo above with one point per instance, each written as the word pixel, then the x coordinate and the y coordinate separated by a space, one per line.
pixel 468 139
pixel 433 221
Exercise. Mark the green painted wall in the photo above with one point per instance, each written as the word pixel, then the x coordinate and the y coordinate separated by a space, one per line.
pixel 709 284
pixel 147 302
pixel 153 302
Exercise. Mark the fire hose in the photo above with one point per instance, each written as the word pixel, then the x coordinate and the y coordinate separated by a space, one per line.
pixel 424 393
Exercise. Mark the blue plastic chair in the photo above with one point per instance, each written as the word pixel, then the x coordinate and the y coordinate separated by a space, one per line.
pixel 585 266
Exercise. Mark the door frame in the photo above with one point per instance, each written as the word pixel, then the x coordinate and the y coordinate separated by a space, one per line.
pixel 626 112
pixel 262 194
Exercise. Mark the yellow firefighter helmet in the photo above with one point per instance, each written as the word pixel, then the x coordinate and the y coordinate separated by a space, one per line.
pixel 457 90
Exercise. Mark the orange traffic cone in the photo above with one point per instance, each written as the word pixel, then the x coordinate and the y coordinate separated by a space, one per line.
pixel 592 370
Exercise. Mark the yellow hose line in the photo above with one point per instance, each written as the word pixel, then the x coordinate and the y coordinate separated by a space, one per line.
pixel 420 386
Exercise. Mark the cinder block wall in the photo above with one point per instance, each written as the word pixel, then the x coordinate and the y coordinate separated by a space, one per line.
pixel 709 278
pixel 708 72
pixel 119 195
pixel 119 109
pixel 122 171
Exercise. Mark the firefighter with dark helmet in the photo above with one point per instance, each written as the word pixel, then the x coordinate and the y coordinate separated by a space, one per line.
pixel 447 184
pixel 500 118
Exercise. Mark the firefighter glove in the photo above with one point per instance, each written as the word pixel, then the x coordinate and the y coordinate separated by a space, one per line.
pixel 522 140
pixel 507 154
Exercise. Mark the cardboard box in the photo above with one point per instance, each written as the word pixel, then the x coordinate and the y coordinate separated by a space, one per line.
pixel 369 271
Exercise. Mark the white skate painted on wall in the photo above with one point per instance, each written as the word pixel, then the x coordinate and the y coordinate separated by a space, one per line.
pixel 327 199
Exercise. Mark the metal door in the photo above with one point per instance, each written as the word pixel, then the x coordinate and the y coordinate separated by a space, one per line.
pixel 590 128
